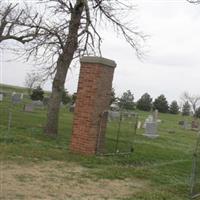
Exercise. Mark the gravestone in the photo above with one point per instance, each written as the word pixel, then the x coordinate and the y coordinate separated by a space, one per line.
pixel 28 108
pixel 16 98
pixel 195 125
pixel 22 96
pixel 151 127
pixel 113 115
pixel 37 103
pixel 155 116
pixel 184 124
pixel 139 124
pixel 1 97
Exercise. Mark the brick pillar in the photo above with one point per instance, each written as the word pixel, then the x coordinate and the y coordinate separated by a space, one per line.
pixel 93 98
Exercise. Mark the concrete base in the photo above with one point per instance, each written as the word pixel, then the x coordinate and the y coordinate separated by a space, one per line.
pixel 151 135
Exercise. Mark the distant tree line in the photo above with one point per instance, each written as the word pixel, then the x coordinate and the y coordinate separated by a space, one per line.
pixel 146 103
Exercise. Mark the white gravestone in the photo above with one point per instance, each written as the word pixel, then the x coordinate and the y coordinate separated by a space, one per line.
pixel 151 127
pixel 1 97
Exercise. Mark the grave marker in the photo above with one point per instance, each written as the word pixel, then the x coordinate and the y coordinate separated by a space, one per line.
pixel 16 98
pixel 28 108
pixel 1 97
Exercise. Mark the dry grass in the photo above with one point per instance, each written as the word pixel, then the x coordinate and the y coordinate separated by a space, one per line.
pixel 58 180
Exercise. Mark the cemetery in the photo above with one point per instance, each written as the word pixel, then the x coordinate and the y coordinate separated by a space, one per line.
pixel 150 155
pixel 98 143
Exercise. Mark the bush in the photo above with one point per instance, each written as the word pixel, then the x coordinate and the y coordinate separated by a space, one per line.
pixel 37 94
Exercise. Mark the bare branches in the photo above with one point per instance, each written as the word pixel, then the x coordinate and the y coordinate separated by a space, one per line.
pixel 10 24
pixel 194 1
pixel 46 34
pixel 32 81
pixel 194 100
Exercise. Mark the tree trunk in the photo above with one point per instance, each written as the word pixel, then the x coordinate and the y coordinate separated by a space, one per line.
pixel 62 67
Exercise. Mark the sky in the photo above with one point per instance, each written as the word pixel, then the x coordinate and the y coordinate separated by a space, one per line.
pixel 171 62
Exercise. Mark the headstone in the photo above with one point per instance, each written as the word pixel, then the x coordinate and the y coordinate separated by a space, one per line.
pixel 155 116
pixel 148 119
pixel 28 108
pixel 16 98
pixel 151 130
pixel 1 97
pixel 195 125
pixel 37 103
pixel 184 124
pixel 139 124
pixel 22 96
pixel 112 115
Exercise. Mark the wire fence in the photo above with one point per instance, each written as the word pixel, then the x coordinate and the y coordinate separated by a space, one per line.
pixel 119 134
pixel 195 176
pixel 18 115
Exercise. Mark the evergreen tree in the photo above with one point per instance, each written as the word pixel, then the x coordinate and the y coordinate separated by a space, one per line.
pixel 66 98
pixel 186 109
pixel 197 113
pixel 113 97
pixel 174 108
pixel 145 102
pixel 161 104
pixel 127 101
pixel 37 94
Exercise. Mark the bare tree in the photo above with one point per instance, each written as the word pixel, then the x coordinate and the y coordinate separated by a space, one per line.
pixel 69 29
pixel 11 26
pixel 194 1
pixel 193 100
pixel 32 81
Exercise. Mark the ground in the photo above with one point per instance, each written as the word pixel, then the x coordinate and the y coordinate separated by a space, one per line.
pixel 70 181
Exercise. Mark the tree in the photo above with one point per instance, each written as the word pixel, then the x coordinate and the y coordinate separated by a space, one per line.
pixel 68 30
pixel 193 100
pixel 113 97
pixel 174 108
pixel 74 98
pixel 32 80
pixel 194 1
pixel 127 101
pixel 13 23
pixel 145 102
pixel 161 104
pixel 37 94
pixel 197 113
pixel 186 109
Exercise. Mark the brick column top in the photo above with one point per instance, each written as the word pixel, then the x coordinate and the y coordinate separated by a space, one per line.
pixel 98 60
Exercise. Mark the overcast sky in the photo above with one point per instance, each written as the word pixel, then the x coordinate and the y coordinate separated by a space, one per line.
pixel 171 65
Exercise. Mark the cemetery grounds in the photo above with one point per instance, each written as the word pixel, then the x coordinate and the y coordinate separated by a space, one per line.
pixel 33 166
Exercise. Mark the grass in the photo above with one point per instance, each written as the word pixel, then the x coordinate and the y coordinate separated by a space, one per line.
pixel 162 164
